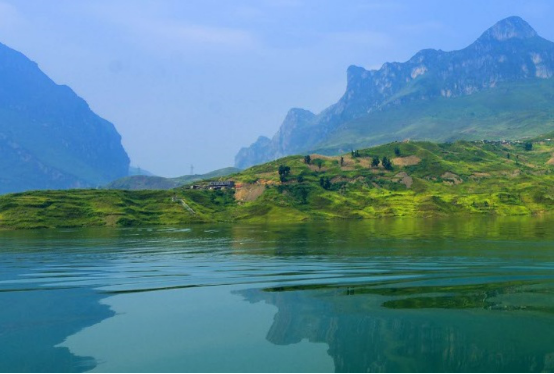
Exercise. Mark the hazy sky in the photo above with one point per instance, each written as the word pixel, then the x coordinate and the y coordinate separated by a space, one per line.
pixel 191 82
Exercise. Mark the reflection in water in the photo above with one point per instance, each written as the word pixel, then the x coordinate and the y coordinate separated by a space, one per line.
pixel 192 330
pixel 32 323
pixel 383 295
pixel 365 337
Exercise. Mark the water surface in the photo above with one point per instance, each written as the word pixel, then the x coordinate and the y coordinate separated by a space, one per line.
pixel 381 296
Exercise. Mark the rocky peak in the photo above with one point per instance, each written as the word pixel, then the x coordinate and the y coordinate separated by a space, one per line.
pixel 509 28
pixel 296 114
pixel 509 51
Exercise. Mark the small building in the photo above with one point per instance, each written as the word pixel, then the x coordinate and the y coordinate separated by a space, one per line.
pixel 221 185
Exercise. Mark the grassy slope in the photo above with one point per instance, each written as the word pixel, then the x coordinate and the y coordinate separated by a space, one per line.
pixel 509 111
pixel 451 179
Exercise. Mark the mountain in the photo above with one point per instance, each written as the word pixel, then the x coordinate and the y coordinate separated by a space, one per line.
pixel 135 170
pixel 423 179
pixel 49 137
pixel 146 182
pixel 499 87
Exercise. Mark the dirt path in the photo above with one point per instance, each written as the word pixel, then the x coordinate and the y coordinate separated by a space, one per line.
pixel 187 207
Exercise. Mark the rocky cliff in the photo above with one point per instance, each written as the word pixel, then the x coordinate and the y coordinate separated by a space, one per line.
pixel 510 52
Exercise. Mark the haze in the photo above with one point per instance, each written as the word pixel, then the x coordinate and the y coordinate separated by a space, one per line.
pixel 193 82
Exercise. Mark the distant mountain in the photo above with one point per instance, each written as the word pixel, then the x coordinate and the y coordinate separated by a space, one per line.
pixel 500 86
pixel 49 137
pixel 135 170
pixel 144 182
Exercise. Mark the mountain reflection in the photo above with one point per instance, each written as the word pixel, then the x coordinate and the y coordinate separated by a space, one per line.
pixel 363 336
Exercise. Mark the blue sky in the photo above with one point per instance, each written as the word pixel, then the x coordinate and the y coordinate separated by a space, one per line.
pixel 191 82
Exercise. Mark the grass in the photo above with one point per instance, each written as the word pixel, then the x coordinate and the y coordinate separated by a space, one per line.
pixel 460 178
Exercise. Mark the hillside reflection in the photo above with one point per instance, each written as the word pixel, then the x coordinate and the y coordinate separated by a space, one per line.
pixel 365 337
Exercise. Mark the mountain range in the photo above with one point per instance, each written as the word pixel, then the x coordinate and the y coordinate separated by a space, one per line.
pixel 499 87
pixel 49 136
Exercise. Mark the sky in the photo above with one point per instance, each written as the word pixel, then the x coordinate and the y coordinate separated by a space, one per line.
pixel 191 82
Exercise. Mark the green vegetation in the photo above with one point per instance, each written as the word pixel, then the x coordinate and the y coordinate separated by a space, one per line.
pixel 387 164
pixel 413 179
pixel 283 173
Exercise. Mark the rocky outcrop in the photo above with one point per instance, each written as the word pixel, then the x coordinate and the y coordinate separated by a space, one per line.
pixel 510 51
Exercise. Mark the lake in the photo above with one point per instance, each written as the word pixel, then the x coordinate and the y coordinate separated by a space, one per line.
pixel 454 295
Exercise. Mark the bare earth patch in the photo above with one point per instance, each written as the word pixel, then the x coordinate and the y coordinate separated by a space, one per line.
pixel 403 178
pixel 513 174
pixel 480 175
pixel 551 161
pixel 339 179
pixel 317 168
pixel 267 175
pixel 451 178
pixel 249 192
pixel 111 219
pixel 406 161
pixel 315 156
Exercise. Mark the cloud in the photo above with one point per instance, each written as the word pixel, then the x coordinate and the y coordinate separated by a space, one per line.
pixel 9 16
pixel 155 27
pixel 381 6
pixel 283 3
pixel 362 38
pixel 422 27
pixel 195 34
pixel 249 13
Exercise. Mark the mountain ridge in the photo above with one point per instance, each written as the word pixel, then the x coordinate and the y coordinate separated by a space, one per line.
pixel 49 136
pixel 509 51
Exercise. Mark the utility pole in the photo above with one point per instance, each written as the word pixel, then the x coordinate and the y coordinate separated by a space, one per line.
pixel 191 169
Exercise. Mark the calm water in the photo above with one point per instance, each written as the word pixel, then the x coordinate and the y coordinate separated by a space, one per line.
pixel 389 295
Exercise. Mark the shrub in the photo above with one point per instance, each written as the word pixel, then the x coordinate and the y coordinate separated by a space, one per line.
pixel 387 164
pixel 528 146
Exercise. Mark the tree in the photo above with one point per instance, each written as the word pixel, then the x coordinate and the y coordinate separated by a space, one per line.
pixel 307 159
pixel 319 163
pixel 325 183
pixel 301 193
pixel 284 170
pixel 397 151
pixel 528 146
pixel 387 164
pixel 375 161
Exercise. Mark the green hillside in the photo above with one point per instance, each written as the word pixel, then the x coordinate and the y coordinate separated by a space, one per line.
pixel 425 180
pixel 151 182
